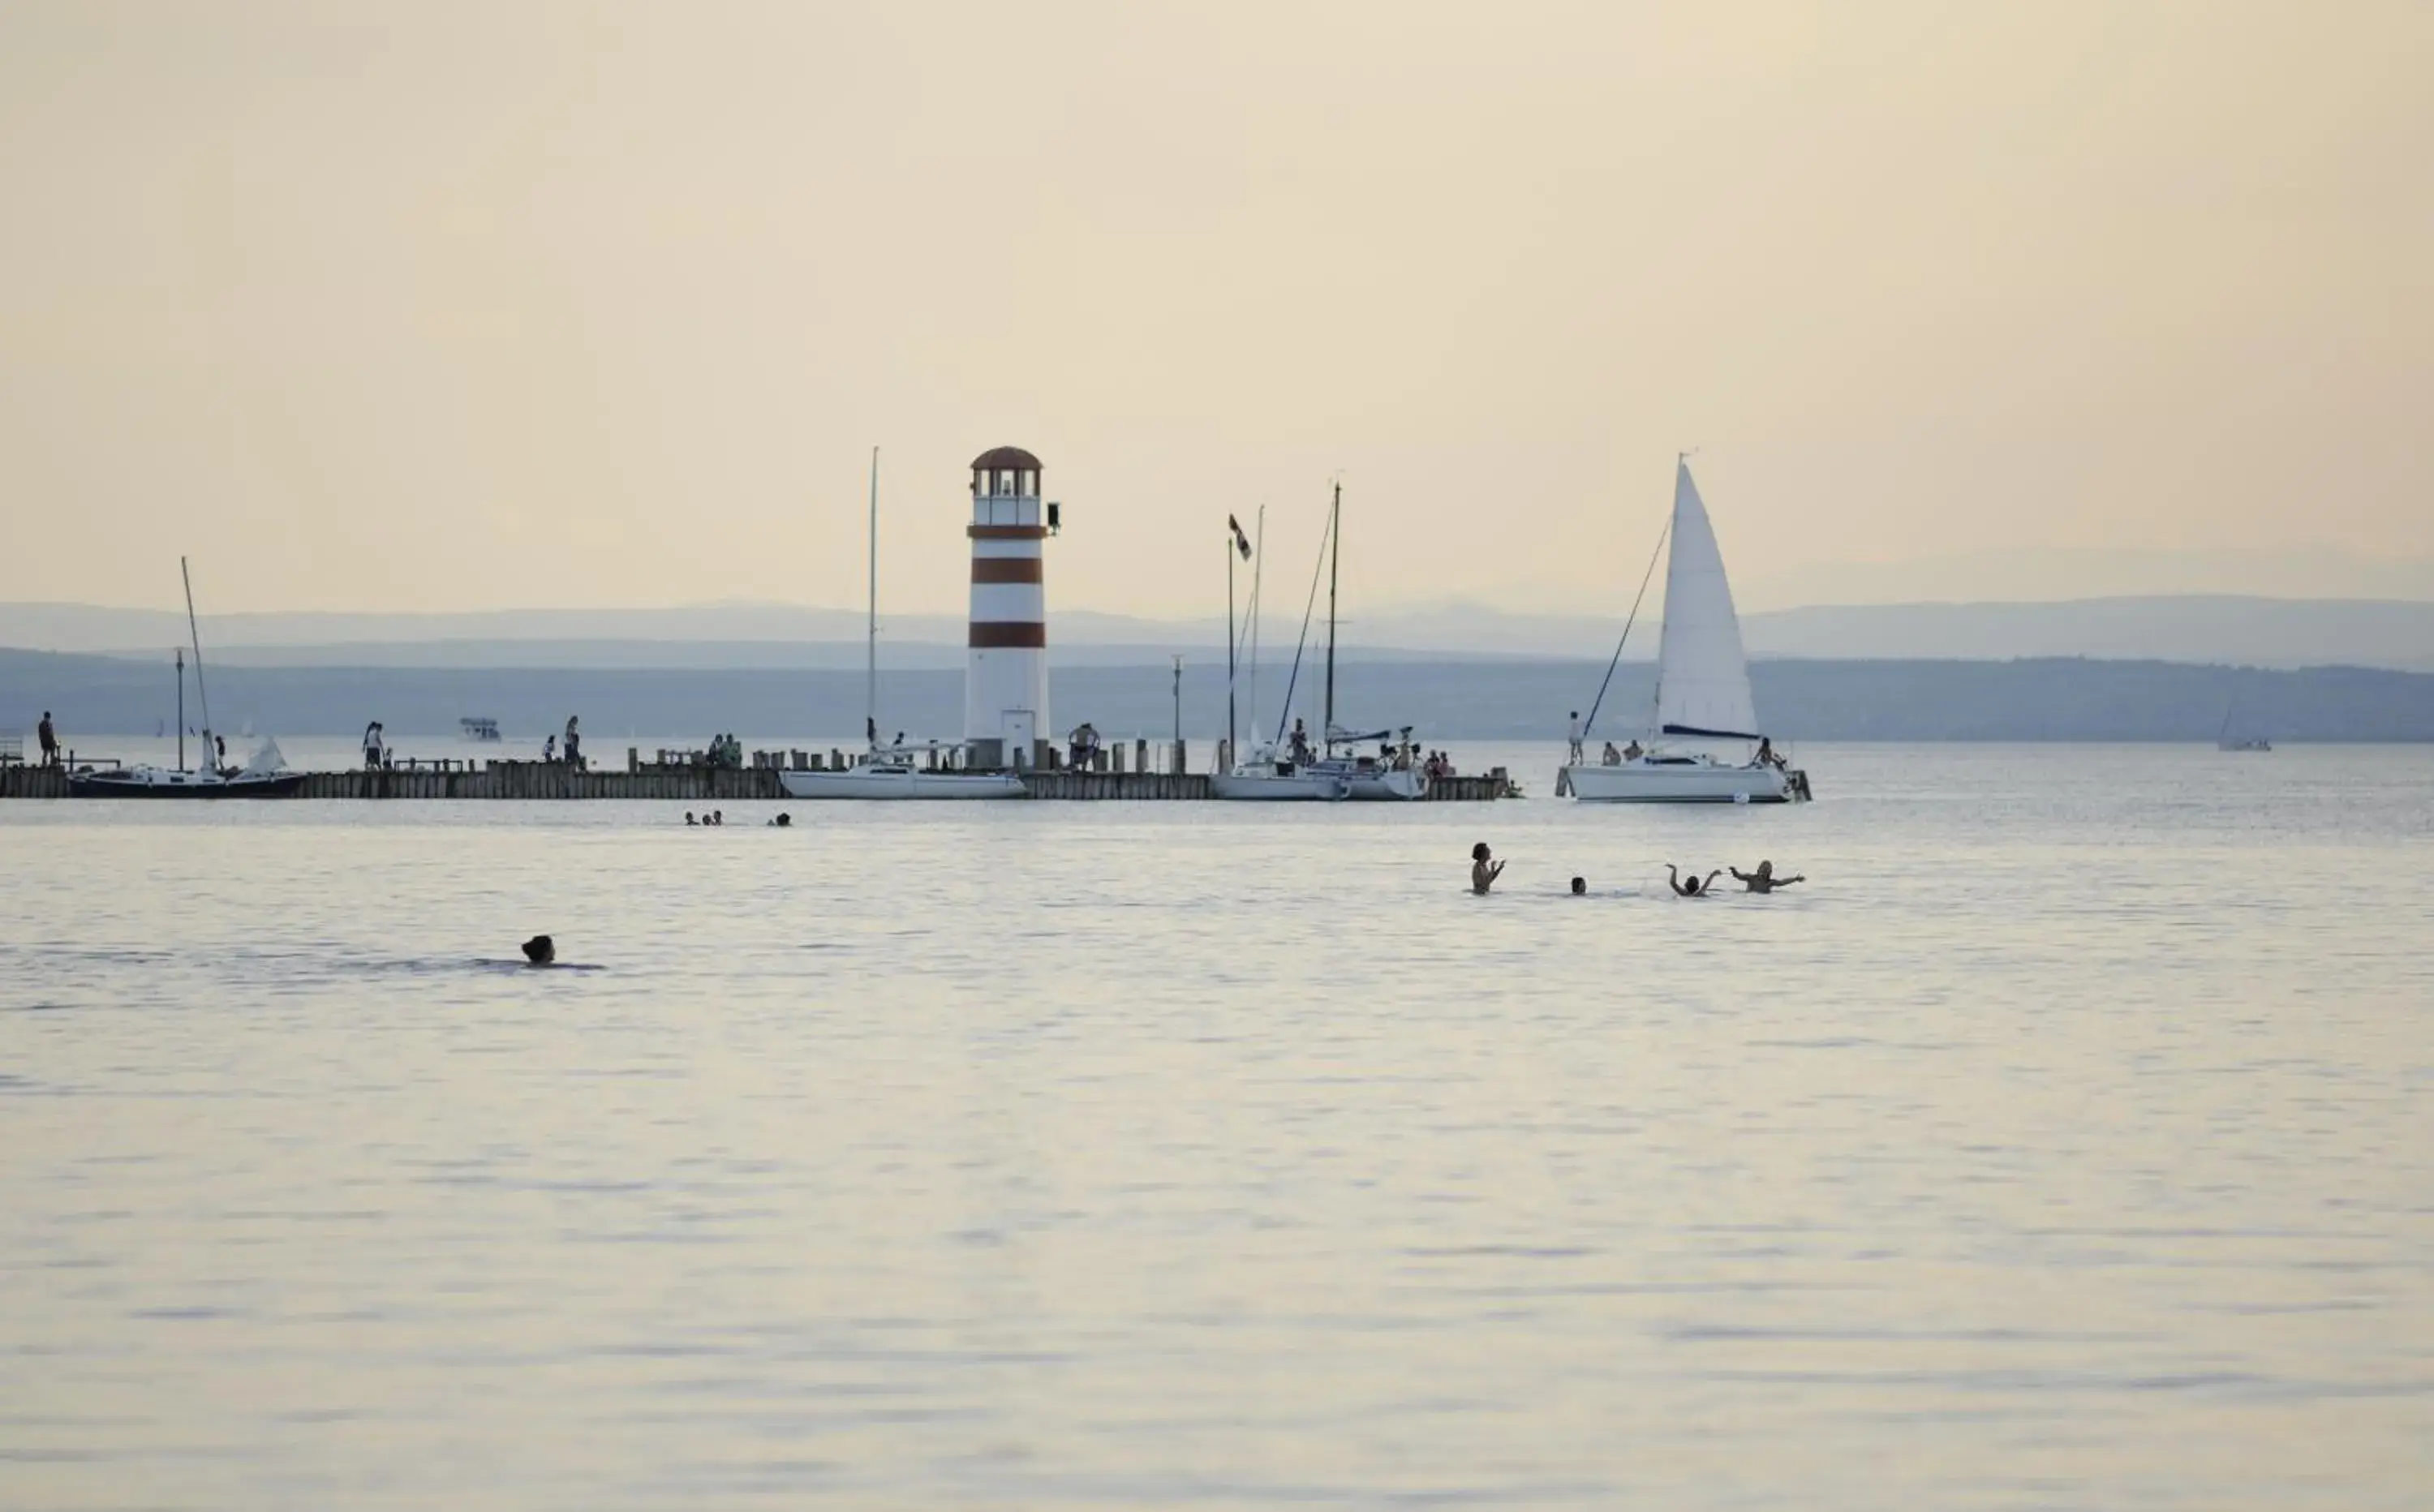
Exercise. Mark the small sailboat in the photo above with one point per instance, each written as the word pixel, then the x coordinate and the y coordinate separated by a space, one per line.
pixel 890 771
pixel 2226 740
pixel 1339 769
pixel 1703 692
pixel 265 776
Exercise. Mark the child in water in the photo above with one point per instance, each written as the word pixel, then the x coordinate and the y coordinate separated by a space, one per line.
pixel 1692 887
pixel 1484 871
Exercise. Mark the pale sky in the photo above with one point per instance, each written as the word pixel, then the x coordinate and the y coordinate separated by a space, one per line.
pixel 462 306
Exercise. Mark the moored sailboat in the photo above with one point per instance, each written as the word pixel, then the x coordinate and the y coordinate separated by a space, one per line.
pixel 265 776
pixel 1338 769
pixel 1703 692
pixel 889 770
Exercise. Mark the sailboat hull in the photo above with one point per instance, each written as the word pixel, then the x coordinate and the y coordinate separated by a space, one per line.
pixel 151 783
pixel 1297 785
pixel 900 783
pixel 1386 787
pixel 1678 781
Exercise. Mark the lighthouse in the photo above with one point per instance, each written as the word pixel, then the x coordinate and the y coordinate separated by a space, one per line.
pixel 1006 679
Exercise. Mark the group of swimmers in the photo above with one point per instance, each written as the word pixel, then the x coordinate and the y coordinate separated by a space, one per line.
pixel 718 816
pixel 1485 869
pixel 1762 880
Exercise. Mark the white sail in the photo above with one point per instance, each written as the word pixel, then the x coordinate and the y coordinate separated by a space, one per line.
pixel 1702 676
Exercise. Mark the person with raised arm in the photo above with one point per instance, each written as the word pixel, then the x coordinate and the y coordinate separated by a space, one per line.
pixel 1763 879
pixel 1691 886
pixel 1484 869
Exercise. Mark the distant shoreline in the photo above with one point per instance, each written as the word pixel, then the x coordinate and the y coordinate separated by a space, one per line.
pixel 2048 700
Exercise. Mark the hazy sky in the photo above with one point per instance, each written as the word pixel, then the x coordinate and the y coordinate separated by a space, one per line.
pixel 453 306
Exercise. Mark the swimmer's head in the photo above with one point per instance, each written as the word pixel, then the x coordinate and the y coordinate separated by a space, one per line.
pixel 1766 868
pixel 1479 851
pixel 540 950
pixel 1579 885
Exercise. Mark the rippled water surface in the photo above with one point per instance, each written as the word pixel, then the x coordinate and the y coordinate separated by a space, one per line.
pixel 2066 1141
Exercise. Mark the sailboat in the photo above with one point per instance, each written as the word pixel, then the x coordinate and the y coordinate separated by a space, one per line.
pixel 1338 769
pixel 888 770
pixel 265 777
pixel 2226 740
pixel 1703 690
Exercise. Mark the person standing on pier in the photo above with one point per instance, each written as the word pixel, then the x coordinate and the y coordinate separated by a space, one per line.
pixel 49 740
pixel 574 745
pixel 374 747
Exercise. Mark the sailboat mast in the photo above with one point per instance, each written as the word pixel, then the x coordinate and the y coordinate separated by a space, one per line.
pixel 1229 641
pixel 197 636
pixel 1657 690
pixel 1334 556
pixel 181 708
pixel 1259 575
pixel 870 665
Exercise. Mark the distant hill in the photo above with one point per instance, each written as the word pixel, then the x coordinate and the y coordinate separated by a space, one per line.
pixel 2031 700
pixel 2397 633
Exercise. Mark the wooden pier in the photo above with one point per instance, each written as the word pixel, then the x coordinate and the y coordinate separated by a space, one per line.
pixel 531 781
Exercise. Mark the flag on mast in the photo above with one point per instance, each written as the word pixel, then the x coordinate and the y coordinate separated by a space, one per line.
pixel 1241 542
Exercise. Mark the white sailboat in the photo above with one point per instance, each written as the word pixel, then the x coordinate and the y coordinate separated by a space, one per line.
pixel 1338 769
pixel 265 776
pixel 890 771
pixel 1703 692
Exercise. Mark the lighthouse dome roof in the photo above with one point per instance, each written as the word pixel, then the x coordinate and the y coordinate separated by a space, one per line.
pixel 1000 457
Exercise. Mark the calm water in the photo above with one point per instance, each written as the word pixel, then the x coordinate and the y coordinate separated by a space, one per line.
pixel 2069 1141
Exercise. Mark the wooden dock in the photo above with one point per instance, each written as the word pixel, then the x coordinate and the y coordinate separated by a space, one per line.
pixel 539 781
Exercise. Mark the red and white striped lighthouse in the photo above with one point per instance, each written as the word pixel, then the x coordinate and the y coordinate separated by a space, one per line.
pixel 1006 679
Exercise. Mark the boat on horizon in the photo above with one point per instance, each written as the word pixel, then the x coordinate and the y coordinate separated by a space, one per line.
pixel 890 771
pixel 264 776
pixel 1702 689
pixel 2226 740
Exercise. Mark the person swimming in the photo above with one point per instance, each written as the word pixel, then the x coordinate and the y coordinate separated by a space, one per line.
pixel 783 821
pixel 540 950
pixel 1691 886
pixel 1763 879
pixel 1579 885
pixel 1484 869
pixel 689 818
